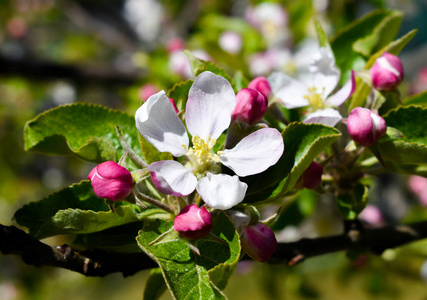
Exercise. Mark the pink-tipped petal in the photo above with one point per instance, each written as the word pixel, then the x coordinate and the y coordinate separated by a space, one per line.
pixel 172 178
pixel 344 93
pixel 221 191
pixel 211 101
pixel 159 124
pixel 255 153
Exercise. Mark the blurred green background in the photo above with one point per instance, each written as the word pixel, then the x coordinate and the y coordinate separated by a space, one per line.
pixel 58 52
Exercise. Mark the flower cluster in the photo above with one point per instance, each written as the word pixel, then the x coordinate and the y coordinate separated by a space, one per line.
pixel 208 113
pixel 202 168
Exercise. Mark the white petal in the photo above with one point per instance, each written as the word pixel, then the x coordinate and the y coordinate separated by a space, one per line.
pixel 255 153
pixel 172 178
pixel 211 101
pixel 344 93
pixel 221 191
pixel 289 91
pixel 159 124
pixel 324 71
pixel 328 117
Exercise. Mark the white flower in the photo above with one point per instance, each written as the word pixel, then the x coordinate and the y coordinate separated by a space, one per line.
pixel 211 101
pixel 325 77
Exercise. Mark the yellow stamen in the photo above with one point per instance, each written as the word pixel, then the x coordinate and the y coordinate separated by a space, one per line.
pixel 315 98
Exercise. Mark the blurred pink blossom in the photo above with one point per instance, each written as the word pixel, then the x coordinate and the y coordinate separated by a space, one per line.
pixel 418 185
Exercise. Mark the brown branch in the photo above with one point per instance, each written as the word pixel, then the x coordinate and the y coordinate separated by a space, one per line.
pixel 89 263
pixel 375 240
pixel 100 263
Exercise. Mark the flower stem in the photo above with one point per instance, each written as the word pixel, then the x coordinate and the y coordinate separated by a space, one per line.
pixel 154 202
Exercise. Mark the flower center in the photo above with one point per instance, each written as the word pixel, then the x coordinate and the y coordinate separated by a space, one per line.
pixel 201 157
pixel 315 98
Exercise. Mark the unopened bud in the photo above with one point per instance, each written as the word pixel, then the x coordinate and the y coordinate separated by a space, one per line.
pixel 261 85
pixel 365 127
pixel 387 72
pixel 259 242
pixel 311 178
pixel 250 107
pixel 193 222
pixel 111 181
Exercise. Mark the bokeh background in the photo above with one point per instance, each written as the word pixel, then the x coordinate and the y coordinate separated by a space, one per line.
pixel 117 53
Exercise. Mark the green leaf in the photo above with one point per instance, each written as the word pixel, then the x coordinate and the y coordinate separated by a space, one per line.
pixel 155 286
pixel 407 152
pixel 179 92
pixel 303 143
pixel 411 121
pixel 351 204
pixel 321 36
pixel 187 274
pixel 394 47
pixel 418 99
pixel 240 81
pixel 354 44
pixel 76 209
pixel 199 66
pixel 116 239
pixel 85 130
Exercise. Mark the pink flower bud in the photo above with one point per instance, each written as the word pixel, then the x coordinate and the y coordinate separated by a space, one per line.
pixel 250 107
pixel 259 242
pixel 312 177
pixel 365 127
pixel 174 105
pixel 193 222
pixel 387 72
pixel 261 85
pixel 111 181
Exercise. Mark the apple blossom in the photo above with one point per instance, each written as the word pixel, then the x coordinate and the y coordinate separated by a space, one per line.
pixel 325 76
pixel 365 127
pixel 230 42
pixel 111 181
pixel 387 72
pixel 251 106
pixel 211 101
pixel 193 222
pixel 271 19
